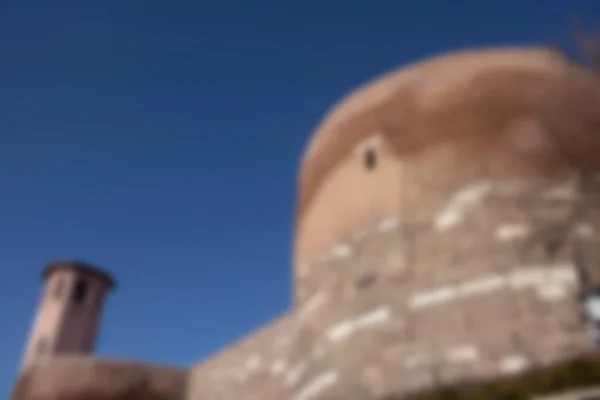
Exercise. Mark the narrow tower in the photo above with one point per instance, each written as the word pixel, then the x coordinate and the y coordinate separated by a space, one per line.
pixel 69 312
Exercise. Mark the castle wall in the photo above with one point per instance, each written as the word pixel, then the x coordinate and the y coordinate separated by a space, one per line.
pixel 457 254
pixel 255 368
pixel 436 126
pixel 486 285
pixel 81 377
pixel 351 196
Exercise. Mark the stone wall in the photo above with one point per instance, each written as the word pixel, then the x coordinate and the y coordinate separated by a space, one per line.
pixel 486 285
pixel 463 116
pixel 76 378
pixel 256 368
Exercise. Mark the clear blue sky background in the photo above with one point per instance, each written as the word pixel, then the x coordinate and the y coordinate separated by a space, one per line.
pixel 160 140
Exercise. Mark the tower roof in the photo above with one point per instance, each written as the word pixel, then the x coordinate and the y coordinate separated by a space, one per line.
pixel 476 92
pixel 81 267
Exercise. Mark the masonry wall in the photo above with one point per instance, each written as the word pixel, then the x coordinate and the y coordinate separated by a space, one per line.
pixel 351 196
pixel 255 368
pixel 458 254
pixel 82 377
pixel 485 285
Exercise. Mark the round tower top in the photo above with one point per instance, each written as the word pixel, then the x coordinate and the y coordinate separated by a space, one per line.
pixel 474 92
pixel 80 267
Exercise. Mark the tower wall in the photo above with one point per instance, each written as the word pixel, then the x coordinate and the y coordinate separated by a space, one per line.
pixel 458 253
pixel 496 103
pixel 69 312
pixel 486 296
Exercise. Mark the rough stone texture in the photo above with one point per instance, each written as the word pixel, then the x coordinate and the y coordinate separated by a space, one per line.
pixel 456 256
pixel 254 368
pixel 495 293
pixel 78 378
pixel 437 126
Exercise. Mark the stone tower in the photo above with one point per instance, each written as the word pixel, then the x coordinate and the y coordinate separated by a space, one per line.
pixel 69 312
pixel 446 213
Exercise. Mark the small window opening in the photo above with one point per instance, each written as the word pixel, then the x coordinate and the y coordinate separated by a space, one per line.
pixel 370 159
pixel 59 288
pixel 79 291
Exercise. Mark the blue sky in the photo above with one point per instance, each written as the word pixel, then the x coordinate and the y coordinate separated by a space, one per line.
pixel 160 139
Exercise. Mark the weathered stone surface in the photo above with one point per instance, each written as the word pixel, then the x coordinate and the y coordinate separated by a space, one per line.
pixel 254 368
pixel 79 378
pixel 493 294
pixel 439 125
